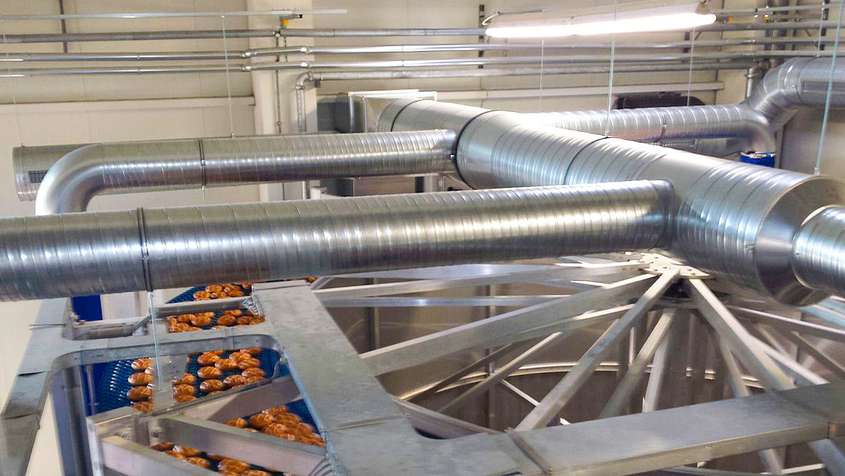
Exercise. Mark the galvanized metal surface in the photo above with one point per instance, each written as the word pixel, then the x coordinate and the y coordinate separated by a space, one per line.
pixel 367 434
pixel 818 248
pixel 742 127
pixel 70 183
pixel 164 248
pixel 732 219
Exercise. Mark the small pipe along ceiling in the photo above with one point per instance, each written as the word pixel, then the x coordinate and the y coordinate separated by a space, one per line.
pixel 770 230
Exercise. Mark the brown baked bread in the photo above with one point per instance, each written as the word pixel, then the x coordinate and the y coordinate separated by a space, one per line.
pixel 211 386
pixel 136 394
pixel 206 373
pixel 140 378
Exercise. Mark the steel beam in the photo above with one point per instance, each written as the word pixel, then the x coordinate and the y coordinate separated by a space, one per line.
pixel 769 457
pixel 636 370
pixel 263 450
pixel 662 439
pixel 463 372
pixel 503 372
pixel 519 325
pixel 556 273
pixel 788 324
pixel 760 363
pixel 560 395
pixel 132 459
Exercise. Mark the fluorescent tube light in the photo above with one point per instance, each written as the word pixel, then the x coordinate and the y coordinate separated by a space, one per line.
pixel 667 18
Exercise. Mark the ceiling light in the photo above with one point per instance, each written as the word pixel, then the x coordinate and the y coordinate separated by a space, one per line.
pixel 642 20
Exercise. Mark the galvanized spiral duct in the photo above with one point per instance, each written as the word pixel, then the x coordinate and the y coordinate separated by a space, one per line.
pixel 94 253
pixel 137 166
pixel 742 127
pixel 797 82
pixel 732 219
pixel 818 249
pixel 710 130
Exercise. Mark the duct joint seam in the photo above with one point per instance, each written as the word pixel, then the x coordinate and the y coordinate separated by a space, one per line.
pixel 145 252
pixel 578 152
pixel 203 170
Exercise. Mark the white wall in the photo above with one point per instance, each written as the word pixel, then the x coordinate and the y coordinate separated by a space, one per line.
pixel 94 122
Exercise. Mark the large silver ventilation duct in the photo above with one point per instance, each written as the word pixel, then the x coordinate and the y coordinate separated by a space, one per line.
pixel 94 253
pixel 819 248
pixel 749 125
pixel 138 166
pixel 797 82
pixel 732 219
pixel 712 130
pixel 742 127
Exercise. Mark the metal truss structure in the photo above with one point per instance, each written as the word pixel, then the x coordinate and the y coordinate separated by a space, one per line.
pixel 644 302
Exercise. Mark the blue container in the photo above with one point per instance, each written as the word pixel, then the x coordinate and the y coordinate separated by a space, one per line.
pixel 766 159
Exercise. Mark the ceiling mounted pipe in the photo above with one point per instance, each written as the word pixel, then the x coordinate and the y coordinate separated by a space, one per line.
pixel 742 127
pixel 31 163
pixel 348 33
pixel 680 58
pixel 799 82
pixel 7 38
pixel 100 253
pixel 23 57
pixel 70 183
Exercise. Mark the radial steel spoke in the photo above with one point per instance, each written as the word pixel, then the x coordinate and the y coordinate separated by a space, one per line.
pixel 437 424
pixel 463 372
pixel 406 287
pixel 829 311
pixel 406 301
pixel 770 458
pixel 817 354
pixel 636 370
pixel 753 356
pixel 659 369
pixel 745 346
pixel 518 325
pixel 786 323
pixel 560 395
pixel 528 398
pixel 802 374
pixel 503 372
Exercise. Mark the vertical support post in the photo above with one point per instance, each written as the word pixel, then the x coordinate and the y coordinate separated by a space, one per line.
pixel 491 367
pixel 69 411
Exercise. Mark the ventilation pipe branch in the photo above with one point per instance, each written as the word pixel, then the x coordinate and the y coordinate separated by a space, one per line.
pixel 89 170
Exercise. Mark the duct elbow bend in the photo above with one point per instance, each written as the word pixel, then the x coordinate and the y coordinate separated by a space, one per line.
pixel 84 172
pixel 797 82
pixel 777 96
pixel 71 182
pixel 761 134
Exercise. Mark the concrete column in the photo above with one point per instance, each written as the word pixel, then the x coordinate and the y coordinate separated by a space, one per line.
pixel 275 99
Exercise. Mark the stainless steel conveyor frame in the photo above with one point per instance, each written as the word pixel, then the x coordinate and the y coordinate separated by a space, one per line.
pixel 367 432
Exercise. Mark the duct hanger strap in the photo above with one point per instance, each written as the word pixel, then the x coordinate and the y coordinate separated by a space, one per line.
pixel 203 170
pixel 145 252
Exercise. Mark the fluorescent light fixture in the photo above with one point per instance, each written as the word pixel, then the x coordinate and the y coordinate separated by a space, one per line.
pixel 686 16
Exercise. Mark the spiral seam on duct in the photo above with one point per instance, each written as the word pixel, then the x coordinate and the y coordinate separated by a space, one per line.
pixel 728 218
pixel 750 124
pixel 77 254
pixel 818 247
pixel 743 127
pixel 72 181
